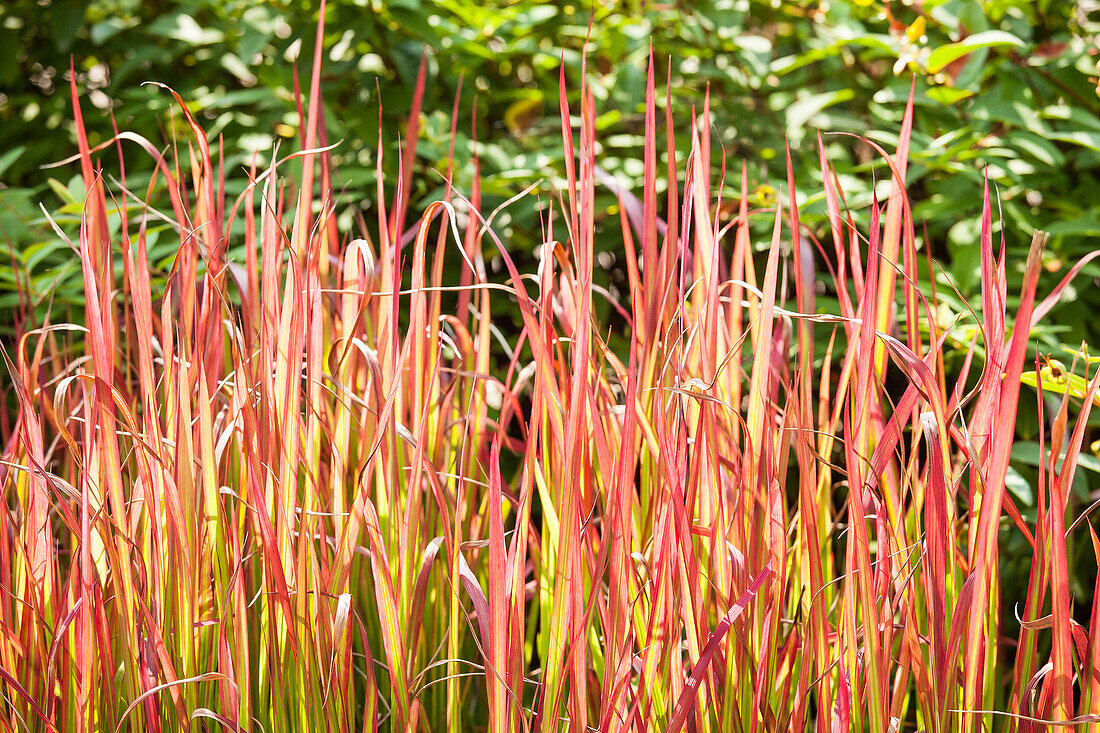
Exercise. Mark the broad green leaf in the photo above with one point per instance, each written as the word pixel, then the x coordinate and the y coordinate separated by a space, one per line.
pixel 10 157
pixel 1056 379
pixel 1085 225
pixel 1019 487
pixel 108 28
pixel 62 192
pixel 1037 147
pixel 948 95
pixel 799 113
pixel 235 66
pixel 185 28
pixel 1090 140
pixel 944 55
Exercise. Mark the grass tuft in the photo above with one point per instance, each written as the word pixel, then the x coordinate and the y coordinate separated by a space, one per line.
pixel 328 488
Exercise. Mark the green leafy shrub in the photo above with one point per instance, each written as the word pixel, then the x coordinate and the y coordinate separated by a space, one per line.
pixel 1020 103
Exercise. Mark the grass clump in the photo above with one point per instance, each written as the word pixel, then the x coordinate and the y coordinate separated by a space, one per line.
pixel 319 489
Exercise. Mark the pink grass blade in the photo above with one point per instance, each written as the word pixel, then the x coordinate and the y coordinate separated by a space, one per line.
pixel 985 555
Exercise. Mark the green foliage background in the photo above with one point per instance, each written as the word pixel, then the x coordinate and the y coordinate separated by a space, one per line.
pixel 1007 86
